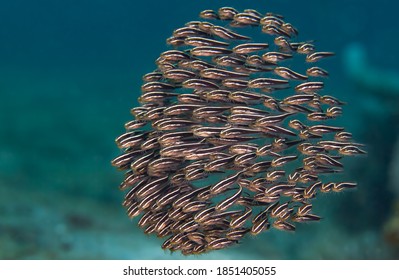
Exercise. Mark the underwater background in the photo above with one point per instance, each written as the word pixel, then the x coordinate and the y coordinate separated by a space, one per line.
pixel 71 70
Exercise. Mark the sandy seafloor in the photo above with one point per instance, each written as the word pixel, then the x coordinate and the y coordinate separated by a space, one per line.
pixel 70 72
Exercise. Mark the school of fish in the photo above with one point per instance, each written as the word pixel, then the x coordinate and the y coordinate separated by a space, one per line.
pixel 228 140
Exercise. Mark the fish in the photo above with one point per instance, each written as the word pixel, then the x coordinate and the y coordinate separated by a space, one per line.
pixel 238 221
pixel 280 211
pixel 174 55
pixel 275 30
pixel 275 175
pixel 306 218
pixel 208 14
pixel 254 61
pixel 306 48
pixel 337 187
pixel 321 129
pixel 275 57
pixel 327 99
pixel 188 98
pixel 309 87
pixel 327 187
pixel 334 112
pixel 207 131
pixel 164 65
pixel 152 77
pixel 218 95
pixel 309 149
pixel 123 161
pixel 180 150
pixel 246 97
pixel 240 149
pixel 304 209
pixel 272 20
pixel 149 201
pixel 227 13
pixel 249 48
pixel 131 139
pixel 243 119
pixel 205 111
pixel 278 188
pixel 209 51
pixel 219 164
pixel 220 74
pixel 197 237
pixel 204 215
pixel 199 65
pixel 179 75
pixel 158 167
pixel 235 83
pixel 316 72
pixel 133 210
pixel 225 183
pixel 189 226
pixel 154 114
pixel 173 138
pixel 245 159
pixel 229 141
pixel 227 34
pixel 203 42
pixel 250 19
pixel 283 225
pixel 205 27
pixel 310 191
pixel 237 234
pixel 220 243
pixel 297 99
pixel 130 181
pixel 260 226
pixel 195 206
pixel 270 120
pixel 139 111
pixel 296 124
pixel 228 60
pixel 336 145
pixel 253 65
pixel 163 223
pixel 186 198
pixel 175 41
pixel 168 197
pixel 289 74
pixel 327 160
pixel 257 167
pixel 266 83
pixel 278 162
pixel 276 130
pixel 180 109
pixel 247 110
pixel 150 144
pixel 199 84
pixel 139 165
pixel 316 56
pixel 196 174
pixel 316 116
pixel 343 136
pixel 350 150
pixel 228 202
pixel 135 124
pixel 283 43
pixel 289 29
pixel 236 131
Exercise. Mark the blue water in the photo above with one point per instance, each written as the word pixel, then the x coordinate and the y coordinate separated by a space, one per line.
pixel 71 70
